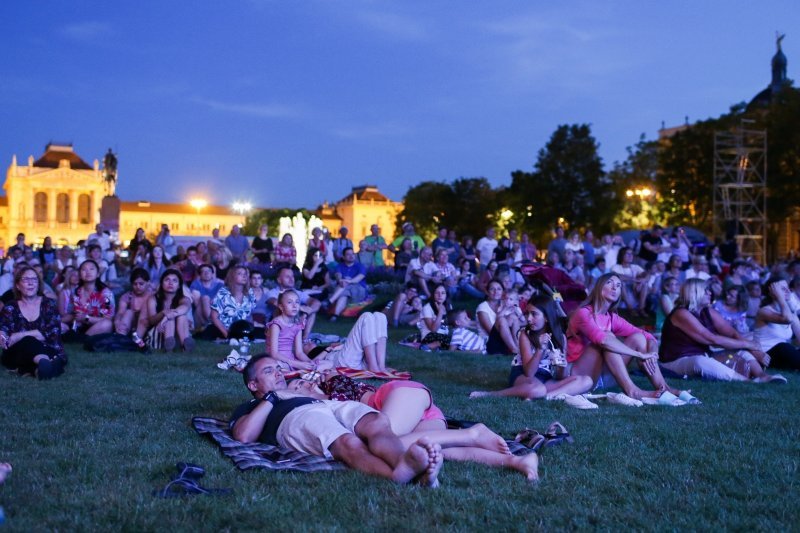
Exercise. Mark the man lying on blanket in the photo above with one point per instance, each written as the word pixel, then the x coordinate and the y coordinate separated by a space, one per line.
pixel 350 432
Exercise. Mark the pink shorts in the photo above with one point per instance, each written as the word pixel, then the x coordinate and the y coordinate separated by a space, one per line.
pixel 376 400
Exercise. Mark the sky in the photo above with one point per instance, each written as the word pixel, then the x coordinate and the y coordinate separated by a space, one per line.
pixel 290 104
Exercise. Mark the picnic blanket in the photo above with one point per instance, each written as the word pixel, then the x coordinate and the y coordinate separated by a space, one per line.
pixel 268 457
pixel 358 374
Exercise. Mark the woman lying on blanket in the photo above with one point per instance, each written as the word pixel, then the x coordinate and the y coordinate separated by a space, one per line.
pixel 538 370
pixel 598 337
pixel 409 407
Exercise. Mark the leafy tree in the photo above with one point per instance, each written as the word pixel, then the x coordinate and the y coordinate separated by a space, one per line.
pixel 638 171
pixel 568 183
pixel 271 217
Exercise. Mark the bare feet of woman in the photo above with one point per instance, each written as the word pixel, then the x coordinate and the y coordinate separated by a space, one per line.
pixel 528 466
pixel 637 394
pixel 487 439
pixel 419 463
pixel 430 478
pixel 5 470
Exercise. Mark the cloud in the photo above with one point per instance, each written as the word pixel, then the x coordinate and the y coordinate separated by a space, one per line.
pixel 87 31
pixel 251 109
pixel 393 25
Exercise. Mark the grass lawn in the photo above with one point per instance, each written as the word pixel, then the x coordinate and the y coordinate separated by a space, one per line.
pixel 89 449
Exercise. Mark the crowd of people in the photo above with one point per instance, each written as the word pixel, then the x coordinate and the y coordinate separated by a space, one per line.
pixel 716 316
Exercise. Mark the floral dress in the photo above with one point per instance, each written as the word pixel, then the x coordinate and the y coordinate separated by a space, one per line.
pixel 229 309
pixel 99 304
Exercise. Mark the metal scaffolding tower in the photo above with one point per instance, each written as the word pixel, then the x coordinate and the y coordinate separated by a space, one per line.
pixel 740 189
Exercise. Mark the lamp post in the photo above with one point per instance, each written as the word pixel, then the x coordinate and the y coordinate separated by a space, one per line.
pixel 198 204
pixel 242 207
pixel 642 192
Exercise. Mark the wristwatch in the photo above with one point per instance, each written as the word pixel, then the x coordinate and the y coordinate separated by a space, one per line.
pixel 270 397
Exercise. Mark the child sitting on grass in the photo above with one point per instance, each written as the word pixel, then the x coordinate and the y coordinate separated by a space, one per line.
pixel 463 339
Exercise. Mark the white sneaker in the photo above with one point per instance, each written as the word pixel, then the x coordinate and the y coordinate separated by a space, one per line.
pixel 579 402
pixel 623 399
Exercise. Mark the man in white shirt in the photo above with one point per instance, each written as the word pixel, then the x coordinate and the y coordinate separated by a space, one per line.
pixel 485 246
pixel 699 268
pixel 415 273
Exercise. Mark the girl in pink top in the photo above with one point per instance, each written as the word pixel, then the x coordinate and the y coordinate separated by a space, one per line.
pixel 598 335
pixel 285 335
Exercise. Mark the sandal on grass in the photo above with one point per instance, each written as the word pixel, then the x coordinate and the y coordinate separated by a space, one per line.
pixel 531 439
pixel 187 487
pixel 557 434
pixel 666 398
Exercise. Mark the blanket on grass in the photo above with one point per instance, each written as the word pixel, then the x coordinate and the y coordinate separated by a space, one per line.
pixel 268 457
pixel 358 374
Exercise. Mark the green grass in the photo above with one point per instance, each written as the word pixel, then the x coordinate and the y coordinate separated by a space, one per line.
pixel 89 448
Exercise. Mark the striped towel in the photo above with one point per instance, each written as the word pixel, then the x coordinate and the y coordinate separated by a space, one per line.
pixel 257 455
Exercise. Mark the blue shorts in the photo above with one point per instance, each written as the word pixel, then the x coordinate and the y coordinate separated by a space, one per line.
pixel 517 371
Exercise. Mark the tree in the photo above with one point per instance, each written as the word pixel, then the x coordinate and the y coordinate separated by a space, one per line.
pixel 270 217
pixel 568 185
pixel 638 172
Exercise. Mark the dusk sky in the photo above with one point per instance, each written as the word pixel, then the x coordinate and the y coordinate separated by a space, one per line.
pixel 289 104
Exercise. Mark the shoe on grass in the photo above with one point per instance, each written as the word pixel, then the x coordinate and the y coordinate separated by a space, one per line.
pixel 619 398
pixel 579 402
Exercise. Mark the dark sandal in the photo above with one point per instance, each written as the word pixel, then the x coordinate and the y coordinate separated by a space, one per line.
pixel 557 434
pixel 531 439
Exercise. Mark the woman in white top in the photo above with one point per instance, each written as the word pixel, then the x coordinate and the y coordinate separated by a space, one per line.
pixel 434 332
pixel 629 273
pixel 487 310
pixel 777 326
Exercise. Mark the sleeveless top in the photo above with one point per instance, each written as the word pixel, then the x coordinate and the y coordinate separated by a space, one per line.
pixel 676 344
pixel 286 336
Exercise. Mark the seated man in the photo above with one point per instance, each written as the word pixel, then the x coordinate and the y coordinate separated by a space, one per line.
pixel 351 285
pixel 416 270
pixel 350 432
pixel 441 272
pixel 308 305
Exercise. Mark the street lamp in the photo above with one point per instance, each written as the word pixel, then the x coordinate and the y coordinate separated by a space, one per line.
pixel 643 193
pixel 242 207
pixel 198 204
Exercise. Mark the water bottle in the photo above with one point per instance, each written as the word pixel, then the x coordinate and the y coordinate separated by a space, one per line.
pixel 244 346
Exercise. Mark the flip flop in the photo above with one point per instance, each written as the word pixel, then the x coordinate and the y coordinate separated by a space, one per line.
pixel 187 487
pixel 687 397
pixel 667 398
pixel 531 439
pixel 189 470
pixel 557 434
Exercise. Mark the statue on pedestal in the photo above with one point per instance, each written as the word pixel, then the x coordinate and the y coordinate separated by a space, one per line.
pixel 110 172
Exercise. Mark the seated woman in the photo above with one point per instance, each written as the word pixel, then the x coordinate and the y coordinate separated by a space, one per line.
pixel 597 336
pixel 30 330
pixel 284 334
pixel 92 302
pixel 777 326
pixel 71 280
pixel 167 314
pixel 260 313
pixel 286 254
pixel 466 280
pixel 315 280
pixel 434 331
pixel 403 257
pixel 133 302
pixel 508 322
pixel 223 261
pixel 412 414
pixel 633 282
pixel 233 303
pixel 733 309
pixel 204 290
pixel 486 276
pixel 538 371
pixel 156 264
pixel 670 290
pixel 403 310
pixel 694 327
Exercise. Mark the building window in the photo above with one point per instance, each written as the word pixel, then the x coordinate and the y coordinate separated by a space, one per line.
pixel 40 207
pixel 62 207
pixel 175 226
pixel 85 209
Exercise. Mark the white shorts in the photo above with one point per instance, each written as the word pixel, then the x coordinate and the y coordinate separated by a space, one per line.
pixel 314 427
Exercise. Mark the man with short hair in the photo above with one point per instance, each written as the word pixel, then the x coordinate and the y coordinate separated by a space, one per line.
pixel 237 244
pixel 442 271
pixel 408 233
pixel 351 283
pixel 348 431
pixel 189 266
pixel 102 239
pixel 308 305
pixel 415 273
pixel 375 244
pixel 340 244
pixel 21 246
pixel 167 242
pixel 442 242
pixel 558 244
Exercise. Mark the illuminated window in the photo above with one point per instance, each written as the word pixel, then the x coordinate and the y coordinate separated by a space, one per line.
pixel 40 207
pixel 62 207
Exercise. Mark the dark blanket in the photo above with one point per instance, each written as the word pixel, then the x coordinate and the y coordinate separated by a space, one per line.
pixel 257 455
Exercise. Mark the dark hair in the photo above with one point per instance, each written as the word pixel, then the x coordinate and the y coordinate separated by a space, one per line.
pixel 767 298
pixel 139 273
pixel 621 253
pixel 160 296
pixel 98 285
pixel 453 314
pixel 309 262
pixel 18 276
pixel 93 247
pixel 433 303
pixel 164 260
pixel 208 266
pixel 190 248
pixel 249 372
pixel 546 304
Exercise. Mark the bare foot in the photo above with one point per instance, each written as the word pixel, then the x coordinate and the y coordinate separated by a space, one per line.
pixel 413 463
pixel 487 439
pixel 479 394
pixel 528 466
pixel 637 394
pixel 5 469
pixel 430 478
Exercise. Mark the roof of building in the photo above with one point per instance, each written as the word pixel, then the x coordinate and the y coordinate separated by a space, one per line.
pixel 365 193
pixel 54 153
pixel 158 207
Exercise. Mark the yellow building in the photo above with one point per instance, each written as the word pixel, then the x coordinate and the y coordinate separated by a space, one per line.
pixel 59 195
pixel 358 211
